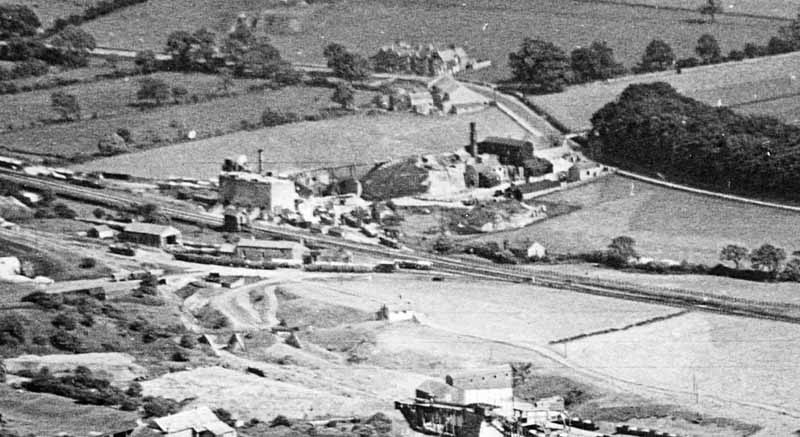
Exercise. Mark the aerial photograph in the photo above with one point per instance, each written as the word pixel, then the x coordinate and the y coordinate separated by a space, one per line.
pixel 399 218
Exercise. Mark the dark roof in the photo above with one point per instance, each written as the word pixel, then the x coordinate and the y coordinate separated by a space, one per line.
pixel 505 141
pixel 151 229
pixel 435 389
pixel 47 415
pixel 482 379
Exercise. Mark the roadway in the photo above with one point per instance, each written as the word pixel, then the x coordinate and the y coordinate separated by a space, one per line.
pixel 672 297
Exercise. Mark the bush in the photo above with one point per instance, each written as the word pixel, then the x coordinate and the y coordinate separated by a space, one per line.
pixel 64 321
pixel 273 117
pixel 281 420
pixel 44 300
pixel 159 406
pixel 66 342
pixel 188 341
pixel 63 211
pixel 12 331
pixel 87 263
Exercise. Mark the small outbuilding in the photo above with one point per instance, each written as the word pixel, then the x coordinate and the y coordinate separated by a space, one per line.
pixel 200 422
pixel 100 231
pixel 150 234
pixel 536 251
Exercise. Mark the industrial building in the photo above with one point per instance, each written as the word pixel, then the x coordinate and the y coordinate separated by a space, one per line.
pixel 148 234
pixel 254 190
pixel 100 231
pixel 487 386
pixel 265 250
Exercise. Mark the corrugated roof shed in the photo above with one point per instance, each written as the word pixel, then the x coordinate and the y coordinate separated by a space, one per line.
pixel 269 244
pixel 151 229
pixel 199 419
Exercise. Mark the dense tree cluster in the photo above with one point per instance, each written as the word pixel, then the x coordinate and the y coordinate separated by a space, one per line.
pixel 103 7
pixel 654 128
pixel 17 21
pixel 345 64
pixel 81 385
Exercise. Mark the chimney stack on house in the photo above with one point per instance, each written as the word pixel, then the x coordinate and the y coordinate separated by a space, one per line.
pixel 473 142
pixel 260 160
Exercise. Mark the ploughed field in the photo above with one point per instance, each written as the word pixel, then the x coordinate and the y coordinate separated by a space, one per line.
pixel 761 86
pixel 666 224
pixel 359 138
pixel 489 29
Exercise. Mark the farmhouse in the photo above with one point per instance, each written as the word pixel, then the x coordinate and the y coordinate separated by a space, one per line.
pixel 264 250
pixel 452 97
pixel 427 60
pixel 254 190
pixel 583 170
pixel 150 235
pixel 421 102
pixel 199 422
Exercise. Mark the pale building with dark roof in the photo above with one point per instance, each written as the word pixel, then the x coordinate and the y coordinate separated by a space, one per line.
pixel 486 386
pixel 149 234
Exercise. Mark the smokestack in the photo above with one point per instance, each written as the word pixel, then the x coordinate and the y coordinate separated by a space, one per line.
pixel 260 160
pixel 473 143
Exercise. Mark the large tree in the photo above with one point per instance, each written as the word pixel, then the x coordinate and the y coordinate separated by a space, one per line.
pixel 595 62
pixel 708 49
pixel 733 253
pixel 657 56
pixel 66 105
pixel 153 89
pixel 344 95
pixel 541 65
pixel 710 8
pixel 17 20
pixel 347 65
pixel 767 258
pixel 146 62
pixel 623 246
pixel 179 46
pixel 76 44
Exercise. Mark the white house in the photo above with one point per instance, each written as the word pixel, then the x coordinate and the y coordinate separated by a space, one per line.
pixel 536 250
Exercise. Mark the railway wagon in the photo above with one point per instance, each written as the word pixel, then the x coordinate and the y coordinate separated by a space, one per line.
pixel 413 264
pixel 389 242
pixel 339 267
pixel 386 267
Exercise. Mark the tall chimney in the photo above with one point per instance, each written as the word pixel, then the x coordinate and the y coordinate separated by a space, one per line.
pixel 260 160
pixel 473 142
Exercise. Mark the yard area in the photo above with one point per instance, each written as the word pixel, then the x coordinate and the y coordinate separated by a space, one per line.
pixel 488 29
pixel 359 138
pixel 729 84
pixel 665 223
pixel 169 122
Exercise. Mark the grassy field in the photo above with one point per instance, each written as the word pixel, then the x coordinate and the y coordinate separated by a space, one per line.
pixel 774 8
pixel 735 83
pixel 49 10
pixel 488 29
pixel 169 122
pixel 727 356
pixel 358 138
pixel 665 223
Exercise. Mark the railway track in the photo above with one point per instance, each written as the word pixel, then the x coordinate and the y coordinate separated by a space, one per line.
pixel 672 297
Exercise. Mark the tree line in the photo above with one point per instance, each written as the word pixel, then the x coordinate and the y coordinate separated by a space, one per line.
pixel 652 127
pixel 542 67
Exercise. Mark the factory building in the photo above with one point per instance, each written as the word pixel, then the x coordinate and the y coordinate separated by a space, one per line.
pixel 265 250
pixel 489 386
pixel 253 190
pixel 150 235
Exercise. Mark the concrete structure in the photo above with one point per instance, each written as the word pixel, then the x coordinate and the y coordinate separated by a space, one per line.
pixel 150 235
pixel 198 422
pixel 235 219
pixel 264 250
pixel 100 231
pixel 253 190
pixel 489 386
pixel 583 170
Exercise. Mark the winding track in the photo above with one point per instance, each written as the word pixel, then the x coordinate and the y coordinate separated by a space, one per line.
pixel 672 297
